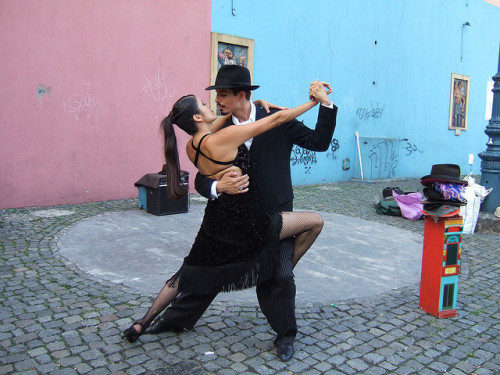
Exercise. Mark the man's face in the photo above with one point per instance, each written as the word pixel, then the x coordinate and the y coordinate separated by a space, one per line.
pixel 226 101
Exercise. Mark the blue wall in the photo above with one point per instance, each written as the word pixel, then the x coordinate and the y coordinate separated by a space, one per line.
pixel 390 64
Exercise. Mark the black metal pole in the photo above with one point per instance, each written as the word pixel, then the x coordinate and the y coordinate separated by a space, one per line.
pixel 490 164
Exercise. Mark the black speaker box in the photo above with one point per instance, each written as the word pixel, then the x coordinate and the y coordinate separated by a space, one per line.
pixel 159 201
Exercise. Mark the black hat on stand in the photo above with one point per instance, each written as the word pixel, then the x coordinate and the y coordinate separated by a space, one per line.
pixel 445 173
pixel 436 204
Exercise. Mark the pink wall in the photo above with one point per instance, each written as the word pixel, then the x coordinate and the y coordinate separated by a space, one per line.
pixel 84 87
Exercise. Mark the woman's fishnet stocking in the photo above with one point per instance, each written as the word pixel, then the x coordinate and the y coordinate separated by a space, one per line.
pixel 305 226
pixel 162 300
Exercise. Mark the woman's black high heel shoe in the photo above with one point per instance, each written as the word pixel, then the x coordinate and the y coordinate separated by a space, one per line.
pixel 131 334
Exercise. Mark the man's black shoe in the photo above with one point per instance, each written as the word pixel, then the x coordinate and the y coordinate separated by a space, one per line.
pixel 285 351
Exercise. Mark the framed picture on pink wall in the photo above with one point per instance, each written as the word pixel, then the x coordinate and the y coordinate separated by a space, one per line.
pixel 459 102
pixel 229 49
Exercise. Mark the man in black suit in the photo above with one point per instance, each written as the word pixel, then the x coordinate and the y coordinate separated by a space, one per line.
pixel 270 171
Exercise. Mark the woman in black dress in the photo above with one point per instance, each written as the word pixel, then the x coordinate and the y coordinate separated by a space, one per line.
pixel 237 245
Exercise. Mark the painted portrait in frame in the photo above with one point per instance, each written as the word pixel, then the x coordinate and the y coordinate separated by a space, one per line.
pixel 459 102
pixel 229 49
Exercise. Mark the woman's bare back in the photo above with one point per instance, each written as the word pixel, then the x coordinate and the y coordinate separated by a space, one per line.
pixel 207 164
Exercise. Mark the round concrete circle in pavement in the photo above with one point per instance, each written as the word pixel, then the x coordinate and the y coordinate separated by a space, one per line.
pixel 352 258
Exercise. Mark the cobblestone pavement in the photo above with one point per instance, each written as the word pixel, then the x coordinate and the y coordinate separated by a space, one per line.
pixel 58 320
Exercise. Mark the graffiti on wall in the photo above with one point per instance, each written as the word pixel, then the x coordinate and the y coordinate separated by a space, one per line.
pixel 374 112
pixel 42 90
pixel 158 88
pixel 83 104
pixel 307 158
pixel 334 146
pixel 303 157
pixel 410 148
pixel 383 156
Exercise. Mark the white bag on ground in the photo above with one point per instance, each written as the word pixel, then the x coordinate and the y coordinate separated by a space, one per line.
pixel 475 194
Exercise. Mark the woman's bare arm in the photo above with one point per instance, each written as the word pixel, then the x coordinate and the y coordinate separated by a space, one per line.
pixel 233 136
pixel 227 140
pixel 219 123
pixel 266 105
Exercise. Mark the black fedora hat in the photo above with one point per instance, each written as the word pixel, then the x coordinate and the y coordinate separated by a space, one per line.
pixel 233 76
pixel 446 173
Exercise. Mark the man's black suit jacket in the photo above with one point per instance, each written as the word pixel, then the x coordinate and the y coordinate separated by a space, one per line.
pixel 270 157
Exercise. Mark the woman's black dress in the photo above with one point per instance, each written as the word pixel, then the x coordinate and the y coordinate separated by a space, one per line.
pixel 237 244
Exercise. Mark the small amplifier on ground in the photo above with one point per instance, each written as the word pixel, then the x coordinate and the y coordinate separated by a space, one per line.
pixel 158 199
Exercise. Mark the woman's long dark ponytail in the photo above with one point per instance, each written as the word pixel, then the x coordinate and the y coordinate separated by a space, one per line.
pixel 173 168
pixel 181 115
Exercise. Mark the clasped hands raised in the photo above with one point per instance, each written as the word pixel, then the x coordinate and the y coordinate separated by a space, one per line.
pixel 319 91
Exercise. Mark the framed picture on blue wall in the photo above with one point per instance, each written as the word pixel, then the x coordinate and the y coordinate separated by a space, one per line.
pixel 459 102
pixel 229 49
